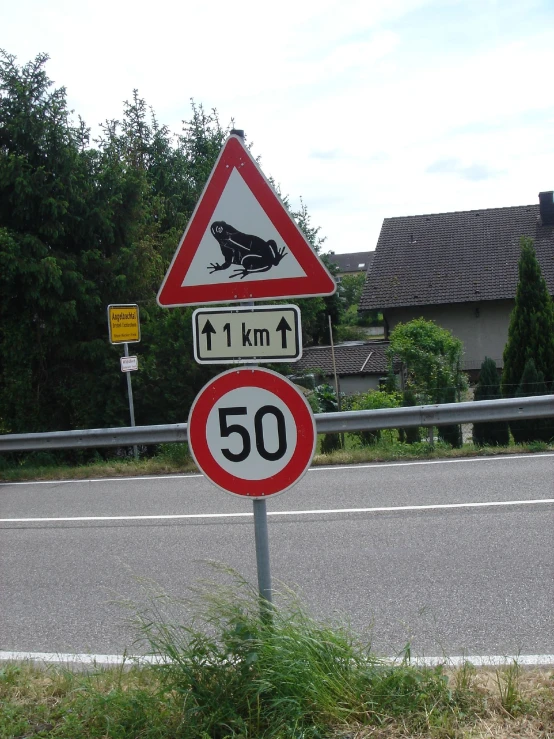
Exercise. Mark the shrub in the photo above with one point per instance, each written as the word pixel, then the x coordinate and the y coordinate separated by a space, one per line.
pixel 431 356
pixel 412 434
pixel 532 383
pixel 374 400
pixel 451 434
pixel 489 433
pixel 326 402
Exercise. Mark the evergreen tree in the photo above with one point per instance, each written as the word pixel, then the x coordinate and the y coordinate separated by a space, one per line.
pixel 533 429
pixel 531 331
pixel 84 224
pixel 451 434
pixel 489 433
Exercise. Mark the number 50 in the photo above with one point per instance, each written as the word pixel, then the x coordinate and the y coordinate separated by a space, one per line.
pixel 236 428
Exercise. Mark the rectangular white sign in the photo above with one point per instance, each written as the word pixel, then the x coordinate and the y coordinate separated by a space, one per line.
pixel 265 333
pixel 129 364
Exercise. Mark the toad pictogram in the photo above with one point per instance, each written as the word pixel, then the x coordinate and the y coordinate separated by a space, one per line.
pixel 250 253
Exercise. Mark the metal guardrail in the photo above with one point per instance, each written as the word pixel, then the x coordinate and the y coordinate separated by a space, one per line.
pixel 540 406
pixel 505 409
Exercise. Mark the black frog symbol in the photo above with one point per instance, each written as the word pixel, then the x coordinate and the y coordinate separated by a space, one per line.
pixel 250 253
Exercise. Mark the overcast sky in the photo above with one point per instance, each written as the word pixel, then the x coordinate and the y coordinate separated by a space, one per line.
pixel 365 108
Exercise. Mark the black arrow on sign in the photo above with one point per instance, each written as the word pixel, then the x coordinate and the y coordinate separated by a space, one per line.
pixel 283 327
pixel 208 330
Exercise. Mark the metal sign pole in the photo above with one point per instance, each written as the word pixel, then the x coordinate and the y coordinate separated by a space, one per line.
pixel 262 549
pixel 261 534
pixel 130 394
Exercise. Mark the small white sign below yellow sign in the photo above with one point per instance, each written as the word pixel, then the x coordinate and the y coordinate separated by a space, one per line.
pixel 123 323
pixel 268 333
pixel 129 364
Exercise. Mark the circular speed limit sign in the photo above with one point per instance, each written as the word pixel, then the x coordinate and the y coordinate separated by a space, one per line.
pixel 251 432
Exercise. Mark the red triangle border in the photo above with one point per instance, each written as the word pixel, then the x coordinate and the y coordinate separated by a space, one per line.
pixel 317 281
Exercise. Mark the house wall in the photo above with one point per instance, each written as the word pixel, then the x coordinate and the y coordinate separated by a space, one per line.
pixel 481 326
pixel 352 384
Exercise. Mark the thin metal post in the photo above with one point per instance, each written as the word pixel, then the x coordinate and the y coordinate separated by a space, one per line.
pixel 262 549
pixel 337 386
pixel 261 534
pixel 130 394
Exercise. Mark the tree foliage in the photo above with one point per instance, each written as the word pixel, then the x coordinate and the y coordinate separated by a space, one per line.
pixel 489 433
pixel 374 400
pixel 325 400
pixel 351 288
pixel 87 223
pixel 432 358
pixel 531 330
pixel 452 432
pixel 410 434
pixel 531 383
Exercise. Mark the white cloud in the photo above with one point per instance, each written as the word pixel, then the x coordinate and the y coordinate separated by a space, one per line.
pixel 348 103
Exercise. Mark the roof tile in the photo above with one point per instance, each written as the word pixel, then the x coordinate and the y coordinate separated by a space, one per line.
pixel 454 257
pixel 365 358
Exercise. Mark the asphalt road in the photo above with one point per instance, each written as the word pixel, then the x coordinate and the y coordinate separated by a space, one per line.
pixel 473 579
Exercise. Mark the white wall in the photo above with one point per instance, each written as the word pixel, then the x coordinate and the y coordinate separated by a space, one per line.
pixel 352 384
pixel 481 326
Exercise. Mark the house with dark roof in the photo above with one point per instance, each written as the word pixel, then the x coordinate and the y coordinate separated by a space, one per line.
pixel 459 270
pixel 360 365
pixel 355 263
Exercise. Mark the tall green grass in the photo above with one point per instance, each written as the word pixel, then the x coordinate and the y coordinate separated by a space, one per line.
pixel 232 671
pixel 236 672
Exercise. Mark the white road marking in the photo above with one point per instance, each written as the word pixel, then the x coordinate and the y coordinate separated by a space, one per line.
pixel 501 458
pixel 333 468
pixel 107 660
pixel 324 511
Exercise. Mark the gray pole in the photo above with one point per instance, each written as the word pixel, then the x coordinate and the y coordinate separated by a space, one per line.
pixel 337 387
pixel 262 549
pixel 130 394
pixel 260 512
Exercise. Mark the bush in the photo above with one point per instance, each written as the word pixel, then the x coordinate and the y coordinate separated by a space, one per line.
pixel 532 383
pixel 489 433
pixel 373 400
pixel 326 402
pixel 175 452
pixel 331 443
pixel 431 356
pixel 412 434
pixel 451 434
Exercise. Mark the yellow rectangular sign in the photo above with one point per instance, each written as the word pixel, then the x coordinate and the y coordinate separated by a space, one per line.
pixel 123 322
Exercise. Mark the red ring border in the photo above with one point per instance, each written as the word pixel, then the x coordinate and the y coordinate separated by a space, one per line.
pixel 266 380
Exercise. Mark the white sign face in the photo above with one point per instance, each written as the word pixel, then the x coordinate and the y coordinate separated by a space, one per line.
pixel 239 212
pixel 241 243
pixel 269 333
pixel 129 364
pixel 251 432
pixel 271 434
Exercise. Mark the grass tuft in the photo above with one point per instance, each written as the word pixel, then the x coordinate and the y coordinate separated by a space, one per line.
pixel 233 672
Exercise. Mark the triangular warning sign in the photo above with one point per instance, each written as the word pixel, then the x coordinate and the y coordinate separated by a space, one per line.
pixel 241 243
